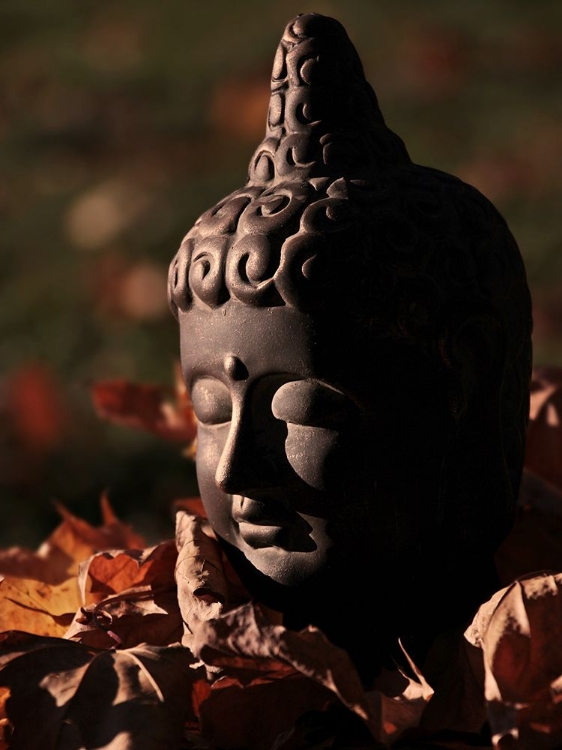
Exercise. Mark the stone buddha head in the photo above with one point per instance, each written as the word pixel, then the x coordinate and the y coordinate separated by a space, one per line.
pixel 356 339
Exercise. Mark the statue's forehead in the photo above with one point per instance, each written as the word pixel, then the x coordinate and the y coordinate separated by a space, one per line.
pixel 265 339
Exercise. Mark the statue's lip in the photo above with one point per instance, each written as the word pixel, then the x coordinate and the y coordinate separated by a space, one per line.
pixel 262 535
pixel 267 514
pixel 268 522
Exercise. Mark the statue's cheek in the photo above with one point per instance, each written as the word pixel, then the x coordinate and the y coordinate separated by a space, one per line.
pixel 312 453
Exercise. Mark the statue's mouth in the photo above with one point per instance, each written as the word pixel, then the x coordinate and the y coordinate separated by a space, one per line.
pixel 263 512
pixel 268 523
pixel 260 536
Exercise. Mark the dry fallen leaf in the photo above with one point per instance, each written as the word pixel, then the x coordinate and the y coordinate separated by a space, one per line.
pixel 72 542
pixel 533 543
pixel 247 646
pixel 37 607
pixel 520 633
pixel 163 411
pixel 544 435
pixel 398 701
pixel 115 571
pixel 128 597
pixel 263 714
pixel 65 696
pixel 200 577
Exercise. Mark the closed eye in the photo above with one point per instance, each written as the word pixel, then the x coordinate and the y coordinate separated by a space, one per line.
pixel 211 401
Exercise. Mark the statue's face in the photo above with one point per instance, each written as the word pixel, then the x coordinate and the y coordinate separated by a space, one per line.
pixel 281 440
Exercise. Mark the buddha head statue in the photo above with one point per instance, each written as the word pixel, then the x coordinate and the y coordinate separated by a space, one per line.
pixel 356 339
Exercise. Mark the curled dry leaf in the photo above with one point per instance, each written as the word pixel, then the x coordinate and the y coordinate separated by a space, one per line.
pixel 115 571
pixel 246 645
pixel 161 410
pixel 279 679
pixel 200 577
pixel 64 695
pixel 41 594
pixel 520 633
pixel 398 701
pixel 128 597
pixel 73 541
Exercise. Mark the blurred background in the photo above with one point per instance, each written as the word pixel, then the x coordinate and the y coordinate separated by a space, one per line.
pixel 120 122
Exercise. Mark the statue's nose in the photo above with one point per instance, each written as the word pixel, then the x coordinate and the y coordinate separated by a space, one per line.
pixel 244 464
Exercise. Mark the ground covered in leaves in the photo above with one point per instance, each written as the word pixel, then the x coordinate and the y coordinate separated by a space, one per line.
pixel 107 642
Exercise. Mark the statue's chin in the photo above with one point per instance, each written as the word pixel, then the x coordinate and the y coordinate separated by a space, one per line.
pixel 277 577
pixel 285 567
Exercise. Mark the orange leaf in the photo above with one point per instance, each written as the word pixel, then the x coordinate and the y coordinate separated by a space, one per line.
pixel 72 542
pixel 146 407
pixel 129 597
pixel 114 571
pixel 37 607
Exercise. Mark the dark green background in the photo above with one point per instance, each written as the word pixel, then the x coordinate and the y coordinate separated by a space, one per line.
pixel 120 122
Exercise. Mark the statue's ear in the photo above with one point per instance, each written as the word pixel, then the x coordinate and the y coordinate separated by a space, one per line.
pixel 473 350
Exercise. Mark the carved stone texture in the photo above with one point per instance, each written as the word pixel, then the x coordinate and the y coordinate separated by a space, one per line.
pixel 356 338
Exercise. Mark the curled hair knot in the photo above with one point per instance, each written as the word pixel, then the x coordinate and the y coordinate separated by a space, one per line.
pixel 206 272
pixel 250 268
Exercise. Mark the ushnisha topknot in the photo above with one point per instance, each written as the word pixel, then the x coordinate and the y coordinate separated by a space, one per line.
pixel 324 120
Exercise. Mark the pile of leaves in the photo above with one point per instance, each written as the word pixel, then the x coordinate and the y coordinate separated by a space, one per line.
pixel 106 642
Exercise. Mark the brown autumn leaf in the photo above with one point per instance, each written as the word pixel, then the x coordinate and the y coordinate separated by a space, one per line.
pixel 73 541
pixel 543 454
pixel 454 668
pixel 252 651
pixel 161 410
pixel 397 701
pixel 65 696
pixel 519 631
pixel 533 543
pixel 201 582
pixel 128 597
pixel 266 713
